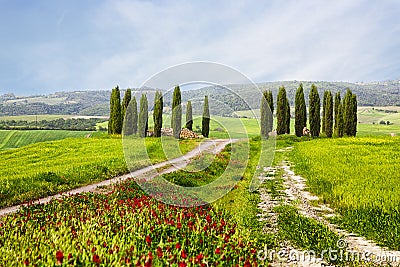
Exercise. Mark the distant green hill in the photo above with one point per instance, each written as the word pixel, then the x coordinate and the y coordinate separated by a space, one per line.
pixel 222 101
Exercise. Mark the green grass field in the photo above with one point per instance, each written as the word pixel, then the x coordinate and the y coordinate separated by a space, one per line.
pixel 19 138
pixel 359 177
pixel 47 168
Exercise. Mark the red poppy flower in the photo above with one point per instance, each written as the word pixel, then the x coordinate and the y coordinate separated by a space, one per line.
pixel 183 254
pixel 148 240
pixel 217 251
pixel 26 262
pixel 96 259
pixel 178 246
pixel 59 257
pixel 182 264
pixel 199 258
pixel 159 252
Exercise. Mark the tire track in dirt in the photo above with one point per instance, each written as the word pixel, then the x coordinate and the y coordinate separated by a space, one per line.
pixel 295 192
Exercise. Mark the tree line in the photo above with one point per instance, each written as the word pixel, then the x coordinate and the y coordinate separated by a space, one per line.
pixel 78 124
pixel 136 121
pixel 338 118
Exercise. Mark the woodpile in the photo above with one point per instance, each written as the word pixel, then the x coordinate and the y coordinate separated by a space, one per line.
pixel 188 134
pixel 167 132
pixel 185 133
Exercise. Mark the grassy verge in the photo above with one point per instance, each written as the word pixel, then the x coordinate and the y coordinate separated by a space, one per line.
pixel 47 168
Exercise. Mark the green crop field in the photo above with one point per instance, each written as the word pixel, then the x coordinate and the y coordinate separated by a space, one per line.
pixel 359 177
pixel 20 138
pixel 47 168
pixel 30 118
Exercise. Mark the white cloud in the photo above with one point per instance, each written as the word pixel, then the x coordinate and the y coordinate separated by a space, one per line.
pixel 125 42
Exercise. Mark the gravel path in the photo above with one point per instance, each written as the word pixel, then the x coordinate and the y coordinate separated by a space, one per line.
pixel 208 146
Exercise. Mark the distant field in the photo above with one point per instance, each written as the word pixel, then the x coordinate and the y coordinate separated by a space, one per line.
pixel 369 115
pixel 34 117
pixel 20 138
pixel 47 168
pixel 30 118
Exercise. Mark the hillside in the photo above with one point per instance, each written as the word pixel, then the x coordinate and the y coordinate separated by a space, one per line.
pixel 96 103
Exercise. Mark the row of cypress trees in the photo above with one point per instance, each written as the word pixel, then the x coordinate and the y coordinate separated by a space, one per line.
pixel 338 117
pixel 138 123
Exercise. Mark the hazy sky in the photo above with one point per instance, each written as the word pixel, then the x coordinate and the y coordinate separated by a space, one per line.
pixel 49 46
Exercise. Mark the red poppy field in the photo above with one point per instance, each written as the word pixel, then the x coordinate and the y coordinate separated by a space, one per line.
pixel 124 227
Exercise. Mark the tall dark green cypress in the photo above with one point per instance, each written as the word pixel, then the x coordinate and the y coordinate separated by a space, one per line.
pixel 189 116
pixel 287 117
pixel 134 110
pixel 176 119
pixel 340 120
pixel 355 119
pixel 324 111
pixel 205 122
pixel 348 115
pixel 115 121
pixel 337 103
pixel 300 111
pixel 281 112
pixel 157 113
pixel 110 120
pixel 329 114
pixel 264 115
pixel 128 127
pixel 270 100
pixel 125 102
pixel 143 116
pixel 315 112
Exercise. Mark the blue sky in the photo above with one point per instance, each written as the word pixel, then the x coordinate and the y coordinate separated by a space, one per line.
pixel 49 46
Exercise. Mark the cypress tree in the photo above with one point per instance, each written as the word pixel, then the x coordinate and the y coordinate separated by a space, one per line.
pixel 115 121
pixel 264 115
pixel 281 112
pixel 205 122
pixel 337 103
pixel 355 120
pixel 134 115
pixel 143 116
pixel 287 117
pixel 348 115
pixel 329 114
pixel 110 120
pixel 128 127
pixel 315 116
pixel 300 112
pixel 125 102
pixel 189 116
pixel 157 113
pixel 270 100
pixel 176 119
pixel 324 111
pixel 340 120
